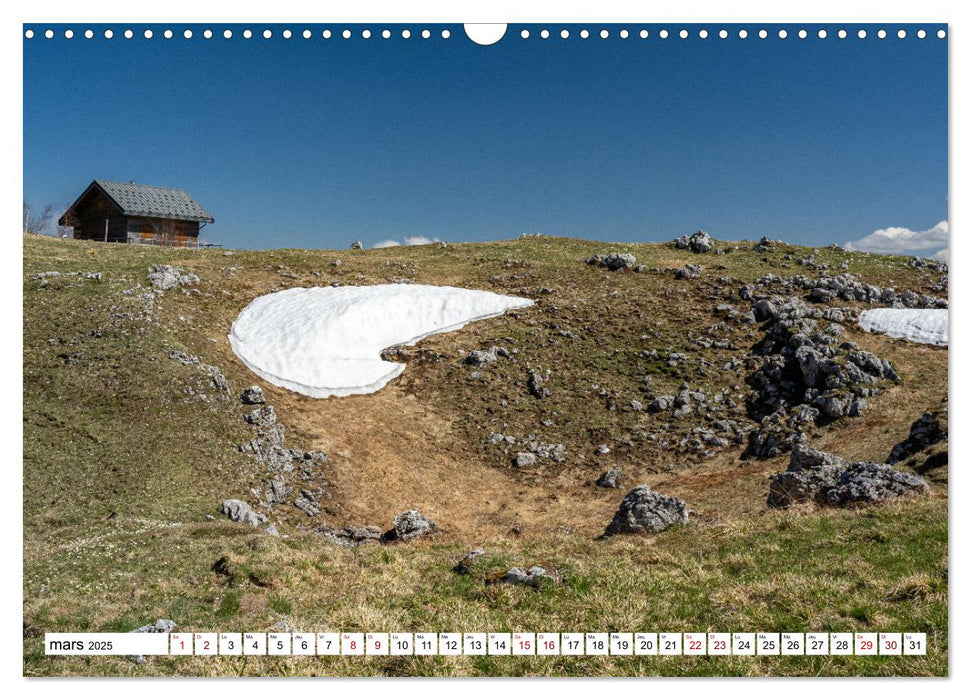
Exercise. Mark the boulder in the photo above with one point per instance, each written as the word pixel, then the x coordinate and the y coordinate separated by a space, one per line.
pixel 524 459
pixel 610 479
pixel 697 242
pixel 479 358
pixel 864 482
pixel 536 383
pixel 811 474
pixel 357 245
pixel 166 277
pixel 689 272
pixel 410 525
pixel 925 432
pixel 241 512
pixel 252 396
pixel 644 510
pixel 533 576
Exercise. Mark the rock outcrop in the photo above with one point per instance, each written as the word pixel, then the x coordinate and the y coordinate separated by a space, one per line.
pixel 644 510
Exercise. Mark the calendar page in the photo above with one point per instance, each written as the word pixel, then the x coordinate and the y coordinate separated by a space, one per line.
pixel 422 348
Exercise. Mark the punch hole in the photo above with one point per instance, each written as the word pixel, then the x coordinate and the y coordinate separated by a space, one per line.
pixel 723 34
pixel 425 34
pixel 703 34
pixel 446 33
pixel 49 34
pixel 564 34
pixel 29 34
pixel 228 34
pixel 841 33
pixel 149 34
pixel 882 34
pixel 861 33
pixel 307 34
pixel 406 34
pixel 545 33
pixel 88 34
pixel 663 34
pixel 783 33
pixel 604 34
pixel 803 33
pixel 742 34
pixel 644 34
pixel 326 34
pixel 763 34
pixel 346 34
pixel 488 34
pixel 624 33
pixel 167 33
pixel 247 34
pixel 129 33
pixel 524 34
pixel 287 34
pixel 902 34
pixel 187 33
pixel 941 34
pixel 69 34
pixel 921 34
pixel 584 34
pixel 366 34
pixel 683 34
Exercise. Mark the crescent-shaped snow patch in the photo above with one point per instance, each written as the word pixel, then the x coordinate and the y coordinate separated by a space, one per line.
pixel 920 325
pixel 327 341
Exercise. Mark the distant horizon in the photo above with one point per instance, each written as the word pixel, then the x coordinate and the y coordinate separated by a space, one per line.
pixel 326 141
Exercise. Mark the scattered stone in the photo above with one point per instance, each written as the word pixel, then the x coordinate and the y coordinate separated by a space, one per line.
pixel 644 510
pixel 253 396
pixel 308 502
pixel 697 242
pixel 272 531
pixel 602 450
pixel 219 380
pixel 396 353
pixel 463 567
pixel 665 402
pixel 688 272
pixel 864 482
pixel 410 525
pixel 925 432
pixel 610 479
pixel 357 245
pixel 241 512
pixel 534 576
pixel 276 490
pixel 480 358
pixel 166 277
pixel 811 474
pixel 536 383
pixel 524 459
pixel 614 261
pixel 352 535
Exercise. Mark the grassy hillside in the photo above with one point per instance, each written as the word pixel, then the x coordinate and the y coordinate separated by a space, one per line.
pixel 128 454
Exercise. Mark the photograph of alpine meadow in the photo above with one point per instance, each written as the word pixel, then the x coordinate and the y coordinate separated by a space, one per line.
pixel 383 349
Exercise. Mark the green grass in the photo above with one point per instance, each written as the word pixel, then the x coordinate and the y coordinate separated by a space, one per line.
pixel 125 465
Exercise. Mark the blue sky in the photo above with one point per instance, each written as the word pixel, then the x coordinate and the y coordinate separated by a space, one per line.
pixel 315 143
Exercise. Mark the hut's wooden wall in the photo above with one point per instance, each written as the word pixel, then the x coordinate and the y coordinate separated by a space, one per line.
pixel 90 216
pixel 179 234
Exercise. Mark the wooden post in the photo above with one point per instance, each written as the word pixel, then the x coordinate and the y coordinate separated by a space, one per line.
pixel 106 230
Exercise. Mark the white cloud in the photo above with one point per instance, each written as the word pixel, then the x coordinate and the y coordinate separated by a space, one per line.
pixel 408 240
pixel 897 240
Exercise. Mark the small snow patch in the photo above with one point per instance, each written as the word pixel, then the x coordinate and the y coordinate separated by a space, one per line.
pixel 919 325
pixel 327 341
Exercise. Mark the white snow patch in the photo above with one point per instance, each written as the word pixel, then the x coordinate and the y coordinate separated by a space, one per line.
pixel 327 341
pixel 920 325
